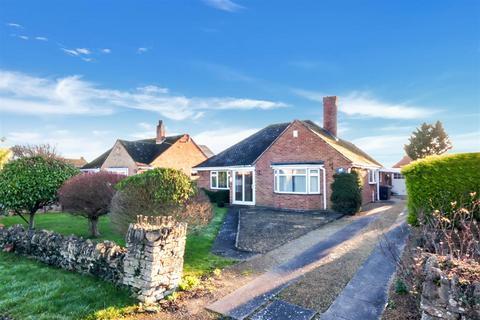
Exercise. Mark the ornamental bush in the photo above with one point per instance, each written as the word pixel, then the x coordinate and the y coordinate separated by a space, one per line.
pixel 436 181
pixel 28 184
pixel 159 192
pixel 220 197
pixel 89 195
pixel 346 193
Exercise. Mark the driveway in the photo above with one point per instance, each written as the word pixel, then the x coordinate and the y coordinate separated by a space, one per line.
pixel 282 268
pixel 261 230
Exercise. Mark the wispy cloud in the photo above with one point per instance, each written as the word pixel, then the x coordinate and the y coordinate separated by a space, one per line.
pixel 23 37
pixel 220 139
pixel 41 38
pixel 142 50
pixel 364 104
pixel 224 5
pixel 105 50
pixel 14 25
pixel 83 51
pixel 24 94
pixel 71 52
pixel 466 142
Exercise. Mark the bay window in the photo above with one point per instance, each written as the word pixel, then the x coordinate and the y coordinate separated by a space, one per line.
pixel 301 181
pixel 219 180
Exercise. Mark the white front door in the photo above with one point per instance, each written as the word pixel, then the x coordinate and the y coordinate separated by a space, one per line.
pixel 244 187
pixel 398 184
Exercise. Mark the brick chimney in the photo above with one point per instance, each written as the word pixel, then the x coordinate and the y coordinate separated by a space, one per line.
pixel 330 114
pixel 160 132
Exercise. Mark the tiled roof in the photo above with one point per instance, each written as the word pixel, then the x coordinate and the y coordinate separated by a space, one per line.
pixel 403 162
pixel 142 151
pixel 77 163
pixel 206 150
pixel 248 150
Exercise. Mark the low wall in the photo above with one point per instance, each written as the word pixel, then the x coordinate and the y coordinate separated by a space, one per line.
pixel 445 297
pixel 151 264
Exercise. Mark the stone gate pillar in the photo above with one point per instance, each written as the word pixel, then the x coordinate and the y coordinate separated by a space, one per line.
pixel 154 260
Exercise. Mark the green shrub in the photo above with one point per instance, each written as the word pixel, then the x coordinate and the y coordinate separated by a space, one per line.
pixel 346 193
pixel 188 283
pixel 219 197
pixel 436 181
pixel 28 184
pixel 400 287
pixel 159 192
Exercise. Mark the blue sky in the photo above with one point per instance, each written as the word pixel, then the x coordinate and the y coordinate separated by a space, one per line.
pixel 79 74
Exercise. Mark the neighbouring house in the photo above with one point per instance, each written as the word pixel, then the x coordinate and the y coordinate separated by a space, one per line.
pixel 77 163
pixel 290 165
pixel 132 157
pixel 394 178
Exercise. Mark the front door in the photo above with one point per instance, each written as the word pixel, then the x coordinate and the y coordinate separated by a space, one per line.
pixel 244 187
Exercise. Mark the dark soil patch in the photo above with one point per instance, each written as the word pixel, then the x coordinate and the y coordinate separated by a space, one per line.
pixel 262 230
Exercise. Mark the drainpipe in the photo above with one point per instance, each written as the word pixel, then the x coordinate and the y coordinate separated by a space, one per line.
pixel 378 184
pixel 324 177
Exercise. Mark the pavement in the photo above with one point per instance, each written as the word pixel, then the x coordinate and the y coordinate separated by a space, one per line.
pixel 246 300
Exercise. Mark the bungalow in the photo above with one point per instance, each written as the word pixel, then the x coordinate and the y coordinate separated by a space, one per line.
pixel 132 157
pixel 290 165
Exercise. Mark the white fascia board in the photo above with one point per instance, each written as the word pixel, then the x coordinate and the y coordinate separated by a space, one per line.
pixel 362 166
pixel 223 168
pixel 297 166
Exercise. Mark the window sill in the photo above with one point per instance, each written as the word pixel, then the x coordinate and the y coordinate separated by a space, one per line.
pixel 219 188
pixel 298 193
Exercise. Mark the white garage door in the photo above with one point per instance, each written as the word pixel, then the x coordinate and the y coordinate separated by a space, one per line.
pixel 123 171
pixel 398 184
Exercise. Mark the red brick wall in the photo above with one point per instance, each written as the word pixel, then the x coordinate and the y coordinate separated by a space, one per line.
pixel 182 155
pixel 306 147
pixel 367 187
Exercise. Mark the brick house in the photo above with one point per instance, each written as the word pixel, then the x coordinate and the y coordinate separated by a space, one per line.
pixel 290 165
pixel 132 157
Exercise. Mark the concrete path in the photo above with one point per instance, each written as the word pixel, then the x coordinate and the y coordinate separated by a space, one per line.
pixel 224 244
pixel 281 310
pixel 365 296
pixel 249 298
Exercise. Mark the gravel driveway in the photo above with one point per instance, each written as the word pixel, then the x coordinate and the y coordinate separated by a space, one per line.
pixel 261 230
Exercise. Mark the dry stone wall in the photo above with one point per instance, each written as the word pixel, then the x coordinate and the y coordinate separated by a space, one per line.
pixel 151 264
pixel 446 297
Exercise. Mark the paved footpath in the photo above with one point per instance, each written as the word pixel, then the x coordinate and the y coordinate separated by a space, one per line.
pixel 243 302
pixel 365 296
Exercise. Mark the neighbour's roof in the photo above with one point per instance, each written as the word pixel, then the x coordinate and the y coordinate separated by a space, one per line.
pixel 77 163
pixel 248 150
pixel 142 151
pixel 206 150
pixel 403 162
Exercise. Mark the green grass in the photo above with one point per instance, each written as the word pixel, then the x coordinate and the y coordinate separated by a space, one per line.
pixel 32 290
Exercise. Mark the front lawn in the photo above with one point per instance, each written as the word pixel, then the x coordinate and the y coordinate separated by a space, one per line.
pixel 33 290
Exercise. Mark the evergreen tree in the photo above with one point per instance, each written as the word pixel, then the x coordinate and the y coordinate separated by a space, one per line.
pixel 428 140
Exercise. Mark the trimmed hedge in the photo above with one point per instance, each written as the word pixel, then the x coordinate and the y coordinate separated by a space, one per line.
pixel 346 193
pixel 434 182
pixel 220 197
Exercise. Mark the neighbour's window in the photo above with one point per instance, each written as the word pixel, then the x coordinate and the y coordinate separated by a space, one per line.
pixel 398 176
pixel 372 176
pixel 303 181
pixel 123 171
pixel 219 179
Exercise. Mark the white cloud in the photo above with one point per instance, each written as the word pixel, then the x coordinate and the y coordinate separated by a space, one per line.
pixel 224 5
pixel 68 144
pixel 363 104
pixel 145 125
pixel 387 149
pixel 23 37
pixel 83 51
pixel 220 139
pixel 466 142
pixel 105 50
pixel 24 94
pixel 142 50
pixel 14 25
pixel 71 52
pixel 87 59
pixel 41 38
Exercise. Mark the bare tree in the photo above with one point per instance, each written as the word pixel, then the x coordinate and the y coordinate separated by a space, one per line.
pixel 31 150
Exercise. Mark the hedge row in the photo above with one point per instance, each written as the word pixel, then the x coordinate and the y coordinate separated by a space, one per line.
pixel 220 197
pixel 434 182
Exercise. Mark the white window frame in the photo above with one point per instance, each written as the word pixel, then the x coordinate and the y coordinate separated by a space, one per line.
pixel 215 174
pixel 118 170
pixel 372 174
pixel 307 175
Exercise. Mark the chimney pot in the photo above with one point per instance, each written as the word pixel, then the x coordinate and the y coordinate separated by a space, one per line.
pixel 160 132
pixel 330 114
